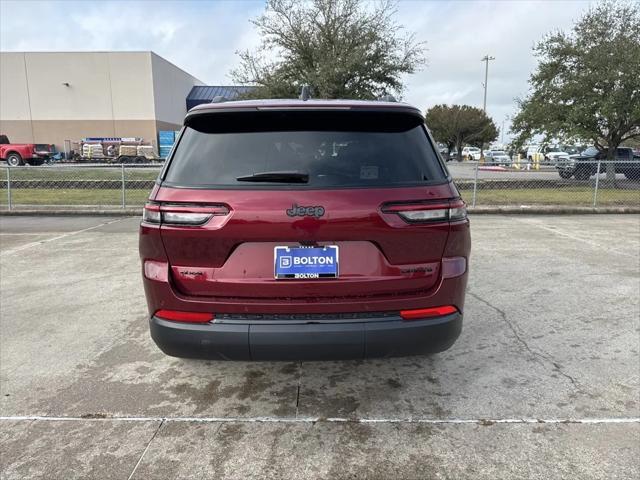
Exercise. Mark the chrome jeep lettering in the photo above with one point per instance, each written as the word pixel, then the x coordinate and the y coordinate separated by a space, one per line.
pixel 298 211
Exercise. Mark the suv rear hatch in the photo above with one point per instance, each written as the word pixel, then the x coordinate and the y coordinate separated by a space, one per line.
pixel 241 183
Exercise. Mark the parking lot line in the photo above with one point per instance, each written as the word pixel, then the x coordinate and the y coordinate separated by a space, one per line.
pixel 430 421
pixel 565 234
pixel 57 237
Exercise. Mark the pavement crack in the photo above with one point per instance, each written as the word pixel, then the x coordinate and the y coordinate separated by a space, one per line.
pixel 162 422
pixel 541 357
pixel 298 391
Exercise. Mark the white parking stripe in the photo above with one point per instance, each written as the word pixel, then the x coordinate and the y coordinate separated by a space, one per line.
pixel 57 237
pixel 565 234
pixel 473 421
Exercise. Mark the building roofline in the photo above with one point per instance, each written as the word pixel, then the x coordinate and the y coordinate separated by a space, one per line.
pixel 175 66
pixel 151 52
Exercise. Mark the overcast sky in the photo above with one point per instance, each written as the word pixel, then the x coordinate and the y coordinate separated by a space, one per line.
pixel 202 37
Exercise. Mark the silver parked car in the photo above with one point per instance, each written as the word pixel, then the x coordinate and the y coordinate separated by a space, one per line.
pixel 497 157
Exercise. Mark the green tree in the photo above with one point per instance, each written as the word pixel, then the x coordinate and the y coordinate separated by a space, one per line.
pixel 457 125
pixel 587 82
pixel 342 48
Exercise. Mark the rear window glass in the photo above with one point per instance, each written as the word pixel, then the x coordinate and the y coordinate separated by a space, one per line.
pixel 338 153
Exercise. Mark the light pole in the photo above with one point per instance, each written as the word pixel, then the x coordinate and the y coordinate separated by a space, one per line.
pixel 486 59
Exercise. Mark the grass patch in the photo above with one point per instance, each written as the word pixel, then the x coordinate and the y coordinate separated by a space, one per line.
pixel 552 196
pixel 96 197
pixel 530 196
pixel 86 173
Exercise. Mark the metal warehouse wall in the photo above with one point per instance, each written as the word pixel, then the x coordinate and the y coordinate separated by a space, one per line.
pixel 108 94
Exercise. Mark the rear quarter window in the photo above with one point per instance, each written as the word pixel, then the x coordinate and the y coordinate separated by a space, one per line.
pixel 335 150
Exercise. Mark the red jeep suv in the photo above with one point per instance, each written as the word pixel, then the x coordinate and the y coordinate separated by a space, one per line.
pixel 293 229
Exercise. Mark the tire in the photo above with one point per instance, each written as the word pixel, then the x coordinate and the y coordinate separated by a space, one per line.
pixel 582 174
pixel 14 159
pixel 565 175
pixel 632 175
pixel 124 159
pixel 139 159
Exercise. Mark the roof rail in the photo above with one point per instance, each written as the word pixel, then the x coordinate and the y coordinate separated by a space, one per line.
pixel 305 93
pixel 387 98
pixel 219 99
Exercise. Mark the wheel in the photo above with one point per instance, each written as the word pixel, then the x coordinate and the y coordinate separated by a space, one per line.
pixel 124 159
pixel 632 174
pixel 565 175
pixel 582 174
pixel 14 160
pixel 139 159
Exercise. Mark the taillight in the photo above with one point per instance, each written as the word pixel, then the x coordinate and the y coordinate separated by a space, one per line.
pixel 428 312
pixel 181 214
pixel 457 210
pixel 151 213
pixel 425 212
pixel 189 317
pixel 185 218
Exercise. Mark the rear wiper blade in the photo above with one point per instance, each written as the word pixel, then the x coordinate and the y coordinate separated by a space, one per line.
pixel 285 177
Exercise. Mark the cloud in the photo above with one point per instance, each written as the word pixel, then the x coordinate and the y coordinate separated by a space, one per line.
pixel 459 34
pixel 202 38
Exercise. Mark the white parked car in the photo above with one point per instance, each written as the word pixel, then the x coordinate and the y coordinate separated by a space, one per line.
pixel 550 154
pixel 532 150
pixel 555 154
pixel 471 153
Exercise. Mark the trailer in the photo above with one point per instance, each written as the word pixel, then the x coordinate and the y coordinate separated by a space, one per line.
pixel 111 150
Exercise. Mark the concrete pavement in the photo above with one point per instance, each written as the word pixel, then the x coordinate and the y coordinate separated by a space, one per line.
pixel 543 382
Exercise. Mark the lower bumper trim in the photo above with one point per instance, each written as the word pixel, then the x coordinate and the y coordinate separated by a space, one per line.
pixel 306 341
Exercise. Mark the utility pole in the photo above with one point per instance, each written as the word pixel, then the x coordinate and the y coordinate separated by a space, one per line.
pixel 486 59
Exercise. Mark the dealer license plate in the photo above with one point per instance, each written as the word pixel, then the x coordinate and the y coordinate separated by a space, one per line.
pixel 306 262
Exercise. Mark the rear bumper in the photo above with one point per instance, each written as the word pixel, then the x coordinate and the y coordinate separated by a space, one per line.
pixel 260 340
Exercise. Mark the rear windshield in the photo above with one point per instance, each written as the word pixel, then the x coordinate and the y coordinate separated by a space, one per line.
pixel 339 150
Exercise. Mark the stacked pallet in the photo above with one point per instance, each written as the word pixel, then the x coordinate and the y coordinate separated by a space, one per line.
pixel 128 150
pixel 146 151
pixel 92 150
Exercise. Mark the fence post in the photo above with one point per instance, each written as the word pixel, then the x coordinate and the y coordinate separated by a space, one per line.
pixel 124 198
pixel 9 187
pixel 475 185
pixel 595 191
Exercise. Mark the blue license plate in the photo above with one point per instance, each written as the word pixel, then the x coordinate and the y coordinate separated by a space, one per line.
pixel 306 262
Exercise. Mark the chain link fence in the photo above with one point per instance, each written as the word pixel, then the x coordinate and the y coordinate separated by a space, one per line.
pixel 567 183
pixel 77 186
pixel 514 184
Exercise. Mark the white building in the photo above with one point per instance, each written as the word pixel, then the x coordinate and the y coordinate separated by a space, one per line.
pixel 50 97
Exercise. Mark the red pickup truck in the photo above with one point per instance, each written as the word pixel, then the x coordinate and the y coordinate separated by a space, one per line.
pixel 16 154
